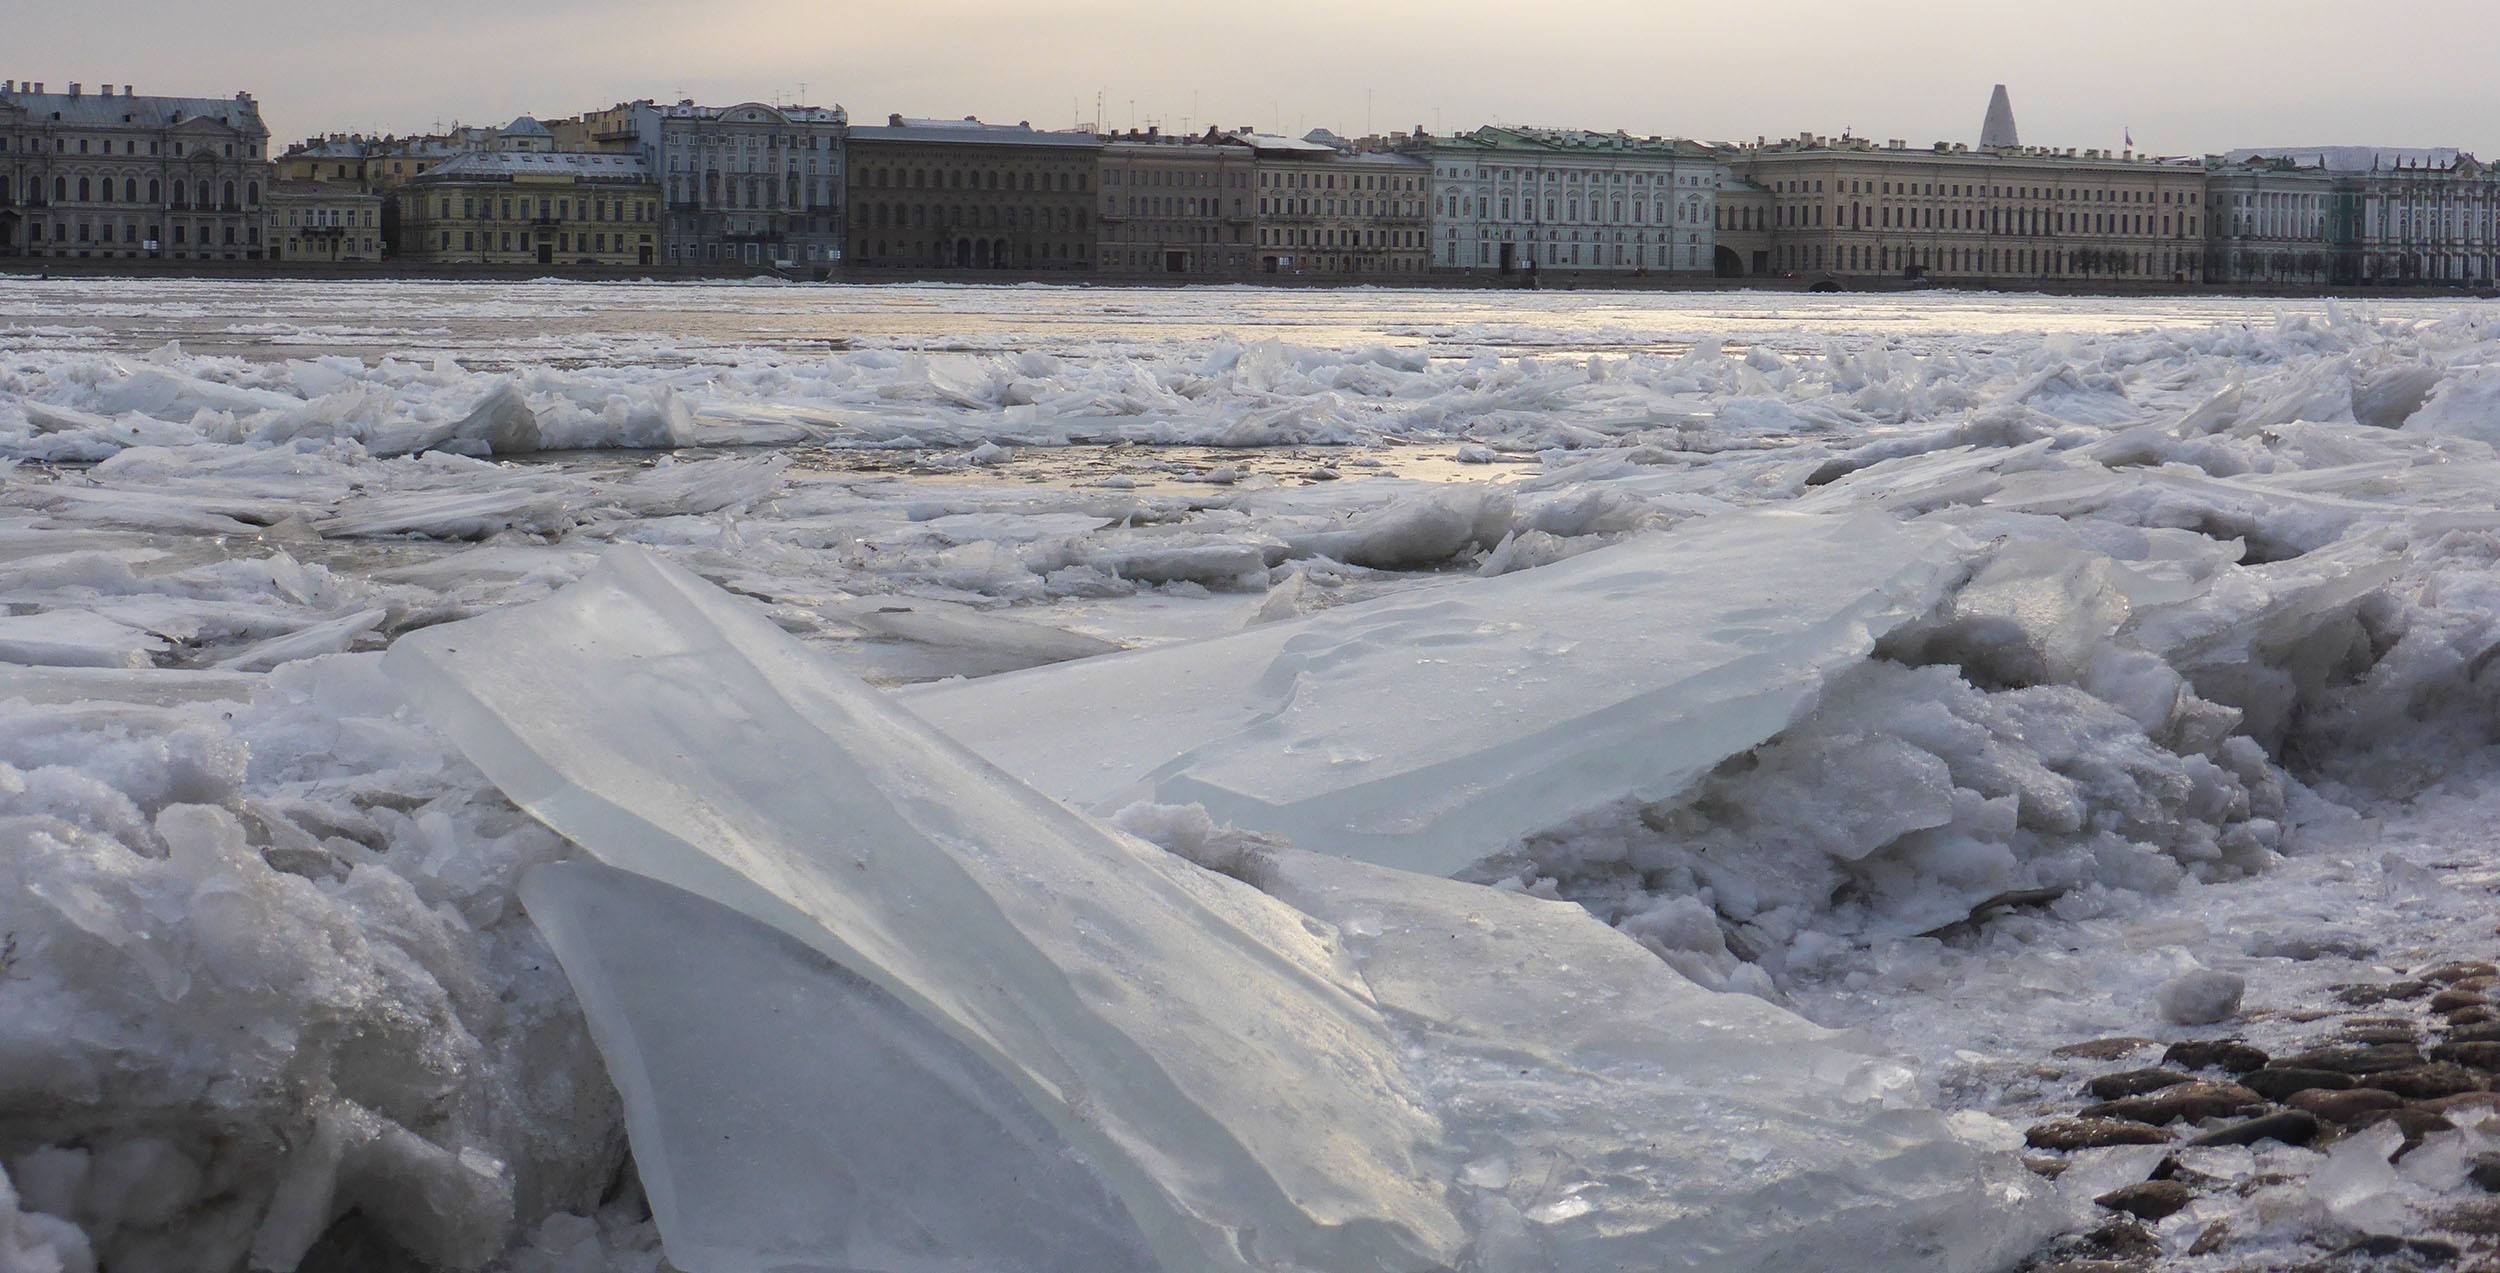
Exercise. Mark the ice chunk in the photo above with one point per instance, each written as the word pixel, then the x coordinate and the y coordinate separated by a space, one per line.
pixel 1208 1050
pixel 850 1067
pixel 2200 997
pixel 830 957
pixel 74 638
pixel 1416 531
pixel 1585 1084
pixel 1432 729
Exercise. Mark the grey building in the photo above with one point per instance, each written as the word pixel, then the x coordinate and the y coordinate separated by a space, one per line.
pixel 748 184
pixel 2268 221
pixel 115 174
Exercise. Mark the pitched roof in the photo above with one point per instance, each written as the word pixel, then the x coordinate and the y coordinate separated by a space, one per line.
pixel 99 110
pixel 503 165
pixel 524 126
pixel 970 131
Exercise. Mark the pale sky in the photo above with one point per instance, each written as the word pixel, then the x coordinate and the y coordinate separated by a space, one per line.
pixel 2187 76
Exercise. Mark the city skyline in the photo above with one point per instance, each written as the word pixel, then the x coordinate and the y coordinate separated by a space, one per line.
pixel 2208 80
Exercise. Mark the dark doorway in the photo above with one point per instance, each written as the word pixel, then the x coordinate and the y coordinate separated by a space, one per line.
pixel 963 254
pixel 546 254
pixel 1510 257
pixel 646 254
pixel 1727 264
pixel 1176 262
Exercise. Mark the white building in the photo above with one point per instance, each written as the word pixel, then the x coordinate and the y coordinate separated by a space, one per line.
pixel 1546 199
pixel 751 184
pixel 2268 221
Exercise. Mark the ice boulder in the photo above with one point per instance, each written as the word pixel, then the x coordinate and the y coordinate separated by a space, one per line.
pixel 1432 729
pixel 832 957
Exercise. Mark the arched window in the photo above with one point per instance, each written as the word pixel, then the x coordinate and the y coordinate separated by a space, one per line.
pixel 82 190
pixel 130 189
pixel 152 190
pixel 251 194
pixel 60 189
pixel 229 195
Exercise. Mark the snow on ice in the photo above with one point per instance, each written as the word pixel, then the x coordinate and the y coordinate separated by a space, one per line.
pixel 1977 674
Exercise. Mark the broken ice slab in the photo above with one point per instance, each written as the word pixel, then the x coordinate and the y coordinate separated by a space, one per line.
pixel 1612 1115
pixel 1432 729
pixel 872 1004
pixel 849 1133
pixel 1207 1051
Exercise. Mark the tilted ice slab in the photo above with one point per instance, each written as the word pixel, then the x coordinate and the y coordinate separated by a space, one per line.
pixel 874 1005
pixel 1431 730
pixel 1210 1054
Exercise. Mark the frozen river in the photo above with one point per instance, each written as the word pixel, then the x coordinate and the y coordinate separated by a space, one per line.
pixel 1958 669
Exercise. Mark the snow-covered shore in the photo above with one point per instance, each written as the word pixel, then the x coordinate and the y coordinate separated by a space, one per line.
pixel 2169 649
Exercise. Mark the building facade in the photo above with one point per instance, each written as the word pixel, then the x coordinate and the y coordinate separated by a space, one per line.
pixel 2427 223
pixel 747 184
pixel 1324 210
pixel 2269 221
pixel 1743 234
pixel 312 221
pixel 1850 208
pixel 1175 205
pixel 961 194
pixel 118 174
pixel 1529 199
pixel 532 207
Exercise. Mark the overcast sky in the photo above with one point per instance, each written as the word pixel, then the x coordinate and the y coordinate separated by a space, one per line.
pixel 2187 76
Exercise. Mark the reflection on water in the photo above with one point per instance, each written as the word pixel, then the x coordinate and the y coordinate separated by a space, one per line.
pixel 662 324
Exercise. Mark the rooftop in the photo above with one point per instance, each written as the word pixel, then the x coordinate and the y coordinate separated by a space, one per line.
pixel 970 130
pixel 501 165
pixel 109 108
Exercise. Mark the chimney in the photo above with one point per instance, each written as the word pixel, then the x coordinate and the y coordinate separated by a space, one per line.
pixel 106 89
pixel 893 121
pixel 74 87
pixel 126 90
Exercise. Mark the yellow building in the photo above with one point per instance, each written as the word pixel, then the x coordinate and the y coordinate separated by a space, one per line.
pixel 527 207
pixel 1849 207
pixel 312 221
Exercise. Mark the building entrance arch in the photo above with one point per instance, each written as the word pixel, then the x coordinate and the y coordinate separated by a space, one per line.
pixel 1726 263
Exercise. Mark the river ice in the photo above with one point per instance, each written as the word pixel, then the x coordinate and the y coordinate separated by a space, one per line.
pixel 1810 630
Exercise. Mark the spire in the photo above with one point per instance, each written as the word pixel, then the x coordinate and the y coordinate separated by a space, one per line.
pixel 1998 132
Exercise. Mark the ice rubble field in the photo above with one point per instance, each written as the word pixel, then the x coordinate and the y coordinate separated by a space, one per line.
pixel 1237 869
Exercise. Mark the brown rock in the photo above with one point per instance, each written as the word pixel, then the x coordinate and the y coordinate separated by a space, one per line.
pixel 2345 1108
pixel 2275 1085
pixel 2369 993
pixel 2378 1034
pixel 2470 1107
pixel 2092 1133
pixel 2479 1056
pixel 2413 1120
pixel 2214 1054
pixel 2151 1200
pixel 2448 974
pixel 2111 1087
pixel 2473 1032
pixel 2429 1082
pixel 2103 1049
pixel 2211 1240
pixel 2291 1126
pixel 2187 1100
pixel 2458 1000
pixel 2355 1058
pixel 2046 1168
pixel 2479 985
pixel 2474 1016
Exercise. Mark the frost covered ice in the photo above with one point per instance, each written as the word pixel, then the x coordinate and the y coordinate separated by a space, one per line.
pixel 1116 1058
pixel 1433 729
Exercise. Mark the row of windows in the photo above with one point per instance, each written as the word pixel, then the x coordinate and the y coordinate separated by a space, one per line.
pixel 1172 206
pixel 921 216
pixel 978 253
pixel 1307 207
pixel 1291 180
pixel 1949 190
pixel 885 178
pixel 60 146
pixel 473 208
pixel 1644 212
pixel 1163 176
pixel 566 241
pixel 1338 237
pixel 1571 176
pixel 184 233
pixel 2028 262
pixel 102 190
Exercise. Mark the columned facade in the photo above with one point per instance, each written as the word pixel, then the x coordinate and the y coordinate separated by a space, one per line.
pixel 1528 199
pixel 2269 221
pixel 1851 208
pixel 748 184
pixel 2433 224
